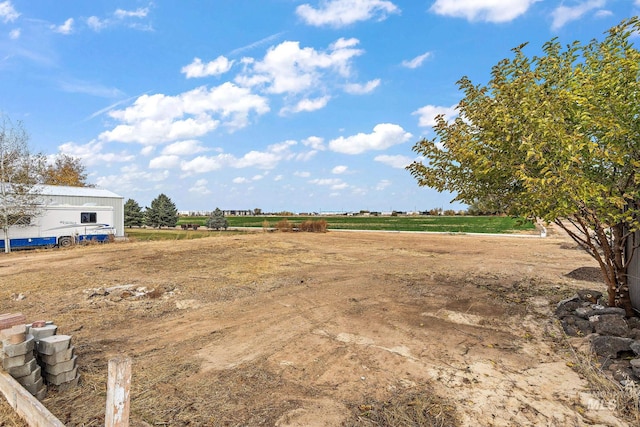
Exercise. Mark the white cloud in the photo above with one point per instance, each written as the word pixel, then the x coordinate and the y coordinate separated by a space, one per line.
pixel 306 105
pixel 340 169
pixel 384 136
pixel 241 180
pixel 164 162
pixel 564 14
pixel 383 184
pixel 184 148
pixel 340 13
pixel 427 114
pixel 333 183
pixel 197 68
pixel 316 142
pixel 91 153
pixel 203 164
pixel 138 13
pixel 302 174
pixel 417 61
pixel 200 187
pixel 603 13
pixel 149 132
pixel 397 161
pixel 90 88
pixel 66 28
pixel 14 34
pixel 148 150
pixel 287 68
pixel 361 89
pixel 95 23
pixel 483 10
pixel 128 18
pixel 268 159
pixel 156 119
pixel 278 178
pixel 8 12
pixel 131 179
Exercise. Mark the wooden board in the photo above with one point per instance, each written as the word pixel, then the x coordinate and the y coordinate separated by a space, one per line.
pixel 26 406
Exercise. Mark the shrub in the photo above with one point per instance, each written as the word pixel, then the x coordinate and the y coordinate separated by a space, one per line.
pixel 319 226
pixel 284 225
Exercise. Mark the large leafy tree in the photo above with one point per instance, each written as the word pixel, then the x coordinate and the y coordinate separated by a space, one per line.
pixel 19 175
pixel 555 137
pixel 162 213
pixel 133 215
pixel 65 170
pixel 217 220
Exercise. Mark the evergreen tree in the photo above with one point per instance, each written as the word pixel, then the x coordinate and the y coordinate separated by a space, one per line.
pixel 133 215
pixel 217 220
pixel 162 213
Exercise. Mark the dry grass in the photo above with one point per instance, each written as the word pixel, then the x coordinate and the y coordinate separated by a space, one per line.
pixel 284 225
pixel 413 409
pixel 319 226
pixel 623 399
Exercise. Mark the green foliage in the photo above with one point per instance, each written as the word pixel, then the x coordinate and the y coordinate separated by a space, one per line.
pixel 133 215
pixel 555 137
pixel 162 213
pixel 217 220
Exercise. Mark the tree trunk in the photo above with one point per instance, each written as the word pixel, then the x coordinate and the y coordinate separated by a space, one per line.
pixel 609 251
pixel 7 242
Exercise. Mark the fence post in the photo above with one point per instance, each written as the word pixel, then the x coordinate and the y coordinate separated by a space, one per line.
pixel 118 388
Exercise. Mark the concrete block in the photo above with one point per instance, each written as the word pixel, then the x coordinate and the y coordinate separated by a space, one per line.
pixel 15 334
pixel 61 356
pixel 13 350
pixel 42 393
pixel 30 379
pixel 24 370
pixel 64 377
pixel 54 344
pixel 43 331
pixel 11 319
pixel 13 362
pixel 69 384
pixel 35 387
pixel 61 367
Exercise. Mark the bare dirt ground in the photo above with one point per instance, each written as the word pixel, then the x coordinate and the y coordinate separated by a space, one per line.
pixel 300 329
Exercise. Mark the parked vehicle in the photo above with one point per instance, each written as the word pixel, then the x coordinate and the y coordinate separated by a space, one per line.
pixel 62 225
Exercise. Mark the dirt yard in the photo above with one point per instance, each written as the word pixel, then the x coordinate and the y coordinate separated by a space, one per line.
pixel 301 329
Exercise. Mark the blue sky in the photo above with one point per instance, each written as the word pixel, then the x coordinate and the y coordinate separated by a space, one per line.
pixel 298 105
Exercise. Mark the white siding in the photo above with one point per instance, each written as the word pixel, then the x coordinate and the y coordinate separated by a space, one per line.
pixel 78 196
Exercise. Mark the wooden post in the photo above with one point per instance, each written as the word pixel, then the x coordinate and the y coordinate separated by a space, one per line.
pixel 118 388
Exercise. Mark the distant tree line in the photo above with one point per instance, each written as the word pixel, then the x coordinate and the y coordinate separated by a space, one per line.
pixel 163 213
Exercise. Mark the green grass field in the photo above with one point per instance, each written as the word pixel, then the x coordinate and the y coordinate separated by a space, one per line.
pixel 447 224
pixel 146 234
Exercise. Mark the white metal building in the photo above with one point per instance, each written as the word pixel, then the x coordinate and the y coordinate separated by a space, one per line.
pixel 79 196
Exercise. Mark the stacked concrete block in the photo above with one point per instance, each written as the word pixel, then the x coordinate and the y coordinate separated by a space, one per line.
pixel 18 359
pixel 58 362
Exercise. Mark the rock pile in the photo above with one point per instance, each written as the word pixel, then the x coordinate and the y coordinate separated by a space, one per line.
pixel 613 337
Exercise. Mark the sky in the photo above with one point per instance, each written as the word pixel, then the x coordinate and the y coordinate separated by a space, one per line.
pixel 278 105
